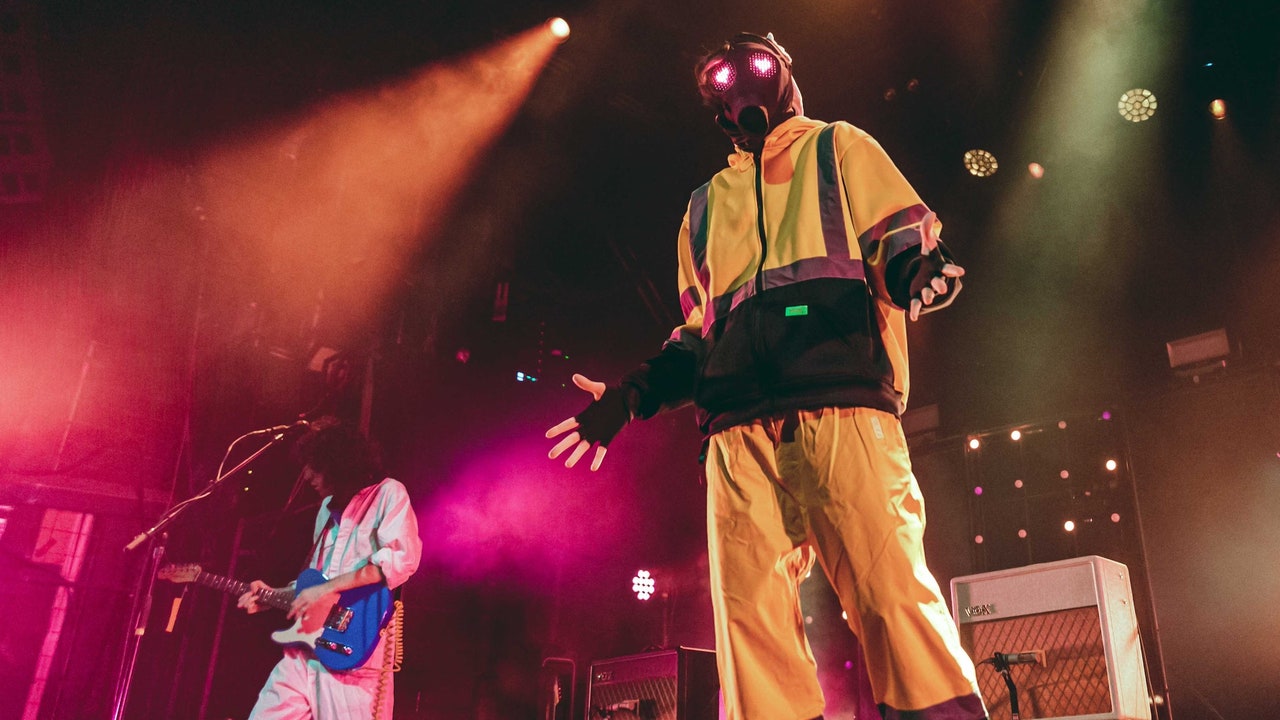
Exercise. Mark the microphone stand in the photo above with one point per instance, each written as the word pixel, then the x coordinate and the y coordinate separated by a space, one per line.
pixel 141 606
pixel 1001 664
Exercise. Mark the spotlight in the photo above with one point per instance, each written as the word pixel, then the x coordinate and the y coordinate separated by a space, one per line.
pixel 1218 109
pixel 1069 526
pixel 1017 484
pixel 1036 170
pixel 973 443
pixel 643 585
pixel 1016 435
pixel 1064 474
pixel 977 539
pixel 1022 533
pixel 980 163
pixel 1137 105
pixel 1115 517
pixel 1111 465
pixel 559 28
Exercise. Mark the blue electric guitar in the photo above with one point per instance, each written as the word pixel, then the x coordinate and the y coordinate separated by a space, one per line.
pixel 342 629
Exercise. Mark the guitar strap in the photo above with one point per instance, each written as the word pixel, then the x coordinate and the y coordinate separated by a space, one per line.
pixel 315 556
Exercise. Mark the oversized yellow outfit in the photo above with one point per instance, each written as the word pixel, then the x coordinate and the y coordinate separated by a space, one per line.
pixel 794 277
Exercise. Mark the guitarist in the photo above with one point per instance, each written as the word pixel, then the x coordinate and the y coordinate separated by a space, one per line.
pixel 365 533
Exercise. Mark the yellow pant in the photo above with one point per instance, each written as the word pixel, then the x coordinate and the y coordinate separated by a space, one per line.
pixel 838 482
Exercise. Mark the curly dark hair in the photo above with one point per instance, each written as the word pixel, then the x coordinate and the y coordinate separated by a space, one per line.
pixel 348 459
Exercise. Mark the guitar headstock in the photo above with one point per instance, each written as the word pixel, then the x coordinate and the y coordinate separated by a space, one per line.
pixel 179 573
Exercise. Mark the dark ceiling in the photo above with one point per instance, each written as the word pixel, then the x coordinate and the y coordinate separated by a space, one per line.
pixel 1137 235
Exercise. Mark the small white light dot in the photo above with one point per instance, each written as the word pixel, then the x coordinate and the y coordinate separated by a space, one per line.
pixel 1115 517
pixel 1111 464
pixel 559 28
pixel 973 443
pixel 1069 526
pixel 1016 435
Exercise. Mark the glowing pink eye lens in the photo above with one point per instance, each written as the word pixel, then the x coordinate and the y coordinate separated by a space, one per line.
pixel 763 64
pixel 722 76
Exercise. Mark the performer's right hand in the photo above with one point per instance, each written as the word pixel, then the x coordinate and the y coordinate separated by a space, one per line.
pixel 249 601
pixel 598 423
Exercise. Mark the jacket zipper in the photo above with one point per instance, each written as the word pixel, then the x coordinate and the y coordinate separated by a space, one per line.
pixel 757 341
pixel 764 243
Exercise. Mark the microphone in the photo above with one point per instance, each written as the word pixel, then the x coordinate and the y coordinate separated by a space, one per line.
pixel 1033 657
pixel 282 428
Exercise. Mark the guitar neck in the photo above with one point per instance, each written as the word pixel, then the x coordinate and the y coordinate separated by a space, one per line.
pixel 278 599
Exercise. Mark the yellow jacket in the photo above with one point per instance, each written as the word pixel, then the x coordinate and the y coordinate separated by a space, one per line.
pixel 795 273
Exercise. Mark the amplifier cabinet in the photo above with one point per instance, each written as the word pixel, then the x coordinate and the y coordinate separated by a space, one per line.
pixel 679 684
pixel 1078 614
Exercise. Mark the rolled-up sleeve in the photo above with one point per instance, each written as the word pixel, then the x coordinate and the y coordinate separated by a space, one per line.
pixel 399 546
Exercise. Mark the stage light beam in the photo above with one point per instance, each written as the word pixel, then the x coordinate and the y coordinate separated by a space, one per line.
pixel 352 188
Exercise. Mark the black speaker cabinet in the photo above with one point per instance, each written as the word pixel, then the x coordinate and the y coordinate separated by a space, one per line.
pixel 1079 615
pixel 679 684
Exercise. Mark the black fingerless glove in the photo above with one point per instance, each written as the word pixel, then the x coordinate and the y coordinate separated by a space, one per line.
pixel 604 418
pixel 915 272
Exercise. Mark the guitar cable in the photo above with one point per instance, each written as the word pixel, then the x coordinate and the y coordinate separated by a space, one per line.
pixel 392 654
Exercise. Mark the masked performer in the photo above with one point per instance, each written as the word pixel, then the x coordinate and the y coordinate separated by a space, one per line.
pixel 799 265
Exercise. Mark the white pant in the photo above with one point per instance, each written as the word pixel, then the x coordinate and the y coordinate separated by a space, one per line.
pixel 300 688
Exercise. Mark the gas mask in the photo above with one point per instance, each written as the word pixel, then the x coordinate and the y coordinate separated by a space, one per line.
pixel 748 82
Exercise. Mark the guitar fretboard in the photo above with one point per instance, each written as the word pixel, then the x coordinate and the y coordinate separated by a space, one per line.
pixel 278 599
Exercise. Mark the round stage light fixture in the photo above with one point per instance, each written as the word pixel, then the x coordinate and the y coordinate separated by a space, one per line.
pixel 1137 105
pixel 980 163
pixel 643 585
pixel 1218 109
